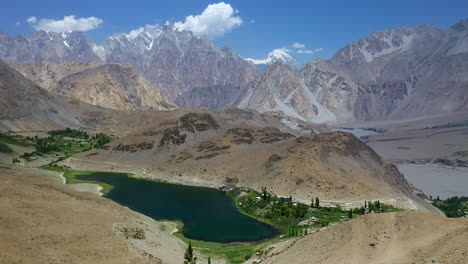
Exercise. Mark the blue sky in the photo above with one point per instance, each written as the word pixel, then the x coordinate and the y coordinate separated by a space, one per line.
pixel 266 25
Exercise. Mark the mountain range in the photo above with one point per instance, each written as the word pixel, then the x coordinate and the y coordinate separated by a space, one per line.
pixel 391 74
pixel 186 68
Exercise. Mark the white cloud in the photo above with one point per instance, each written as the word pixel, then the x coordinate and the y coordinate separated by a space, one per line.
pixel 214 21
pixel 134 33
pixel 298 45
pixel 67 24
pixel 31 19
pixel 18 23
pixel 301 51
pixel 306 51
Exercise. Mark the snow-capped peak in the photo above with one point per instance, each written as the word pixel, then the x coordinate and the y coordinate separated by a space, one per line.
pixel 275 55
pixel 149 31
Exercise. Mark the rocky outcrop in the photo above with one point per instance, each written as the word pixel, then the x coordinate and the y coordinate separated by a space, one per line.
pixel 196 122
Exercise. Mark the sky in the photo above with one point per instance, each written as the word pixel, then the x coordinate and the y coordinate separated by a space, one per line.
pixel 306 29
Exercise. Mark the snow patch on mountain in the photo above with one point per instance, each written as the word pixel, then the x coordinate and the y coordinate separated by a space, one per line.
pixel 282 55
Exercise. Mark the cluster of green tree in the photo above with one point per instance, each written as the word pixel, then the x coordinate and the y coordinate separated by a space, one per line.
pixel 46 145
pixel 282 211
pixel 32 138
pixel 297 231
pixel 4 148
pixel 69 132
pixel 100 140
pixel 28 156
pixel 13 139
pixel 316 204
pixel 453 206
pixel 372 207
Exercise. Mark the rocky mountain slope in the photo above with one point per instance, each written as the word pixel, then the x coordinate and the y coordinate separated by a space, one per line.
pixel 282 91
pixel 186 68
pixel 210 148
pixel 24 105
pixel 402 238
pixel 115 86
pixel 390 74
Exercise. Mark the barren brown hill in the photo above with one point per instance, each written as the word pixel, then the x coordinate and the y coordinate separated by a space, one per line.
pixel 24 105
pixel 115 86
pixel 46 222
pixel 397 238
pixel 214 148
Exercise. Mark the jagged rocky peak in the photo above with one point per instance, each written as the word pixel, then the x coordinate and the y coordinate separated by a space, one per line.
pixel 460 26
pixel 48 46
pixel 382 43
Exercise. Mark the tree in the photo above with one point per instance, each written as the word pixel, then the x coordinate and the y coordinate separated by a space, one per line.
pixel 317 202
pixel 264 193
pixel 209 260
pixel 350 214
pixel 312 202
pixel 365 204
pixel 189 258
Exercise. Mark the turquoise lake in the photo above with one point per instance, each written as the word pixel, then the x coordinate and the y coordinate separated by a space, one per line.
pixel 207 214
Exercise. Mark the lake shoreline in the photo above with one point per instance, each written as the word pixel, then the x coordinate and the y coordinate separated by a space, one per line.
pixel 72 177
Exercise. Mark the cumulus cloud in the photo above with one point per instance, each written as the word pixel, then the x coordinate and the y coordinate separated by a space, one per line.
pixel 31 19
pixel 67 24
pixel 319 49
pixel 134 33
pixel 298 45
pixel 18 23
pixel 214 21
